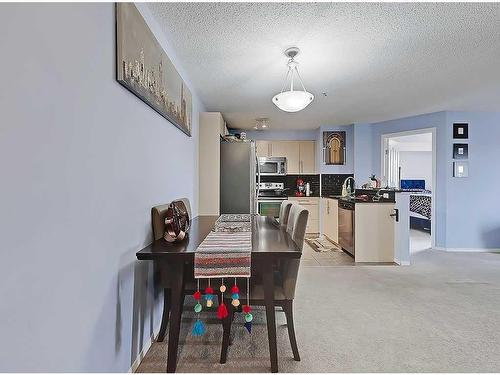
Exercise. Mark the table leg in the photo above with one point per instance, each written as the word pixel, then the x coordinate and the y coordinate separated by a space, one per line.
pixel 166 314
pixel 177 284
pixel 268 280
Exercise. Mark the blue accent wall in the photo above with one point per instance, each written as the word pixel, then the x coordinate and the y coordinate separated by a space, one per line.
pixel 363 147
pixel 82 162
pixel 473 203
pixel 467 209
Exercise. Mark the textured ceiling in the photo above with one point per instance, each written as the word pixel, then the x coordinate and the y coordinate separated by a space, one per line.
pixel 376 61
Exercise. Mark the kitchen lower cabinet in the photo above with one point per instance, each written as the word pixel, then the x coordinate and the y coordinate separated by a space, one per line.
pixel 374 232
pixel 330 218
pixel 312 205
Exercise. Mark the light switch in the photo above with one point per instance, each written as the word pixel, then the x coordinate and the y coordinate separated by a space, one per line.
pixel 460 169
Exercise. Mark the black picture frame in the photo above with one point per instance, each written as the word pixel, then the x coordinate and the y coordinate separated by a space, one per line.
pixel 460 151
pixel 460 131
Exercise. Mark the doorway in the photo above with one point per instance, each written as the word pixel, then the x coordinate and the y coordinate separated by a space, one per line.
pixel 409 164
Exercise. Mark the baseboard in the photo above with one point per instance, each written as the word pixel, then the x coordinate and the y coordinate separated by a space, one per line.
pixel 143 351
pixel 467 249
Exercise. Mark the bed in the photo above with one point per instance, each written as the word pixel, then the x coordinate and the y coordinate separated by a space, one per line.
pixel 420 204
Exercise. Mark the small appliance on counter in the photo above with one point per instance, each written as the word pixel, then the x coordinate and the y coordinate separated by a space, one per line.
pixel 301 188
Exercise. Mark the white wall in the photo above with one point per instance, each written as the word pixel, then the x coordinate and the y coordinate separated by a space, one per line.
pixel 82 162
pixel 416 165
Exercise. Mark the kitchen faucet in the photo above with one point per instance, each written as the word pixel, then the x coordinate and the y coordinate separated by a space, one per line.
pixel 347 188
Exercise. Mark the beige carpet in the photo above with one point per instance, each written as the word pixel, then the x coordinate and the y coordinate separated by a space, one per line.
pixel 439 315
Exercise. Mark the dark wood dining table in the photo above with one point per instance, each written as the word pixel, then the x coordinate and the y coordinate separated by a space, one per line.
pixel 174 260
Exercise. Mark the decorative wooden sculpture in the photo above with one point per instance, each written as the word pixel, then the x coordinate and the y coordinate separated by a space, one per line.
pixel 177 221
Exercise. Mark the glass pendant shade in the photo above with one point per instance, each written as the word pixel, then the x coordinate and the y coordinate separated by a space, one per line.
pixel 292 100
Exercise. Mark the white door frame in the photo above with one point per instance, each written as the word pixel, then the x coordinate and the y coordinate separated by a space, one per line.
pixel 383 143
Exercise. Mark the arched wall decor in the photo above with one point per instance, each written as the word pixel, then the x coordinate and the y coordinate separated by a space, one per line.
pixel 334 147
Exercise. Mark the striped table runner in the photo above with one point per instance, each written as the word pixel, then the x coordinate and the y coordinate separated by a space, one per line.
pixel 224 254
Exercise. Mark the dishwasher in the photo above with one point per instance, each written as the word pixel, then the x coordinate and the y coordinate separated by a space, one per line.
pixel 346 226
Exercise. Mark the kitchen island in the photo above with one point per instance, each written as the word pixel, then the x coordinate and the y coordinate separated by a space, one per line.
pixel 364 229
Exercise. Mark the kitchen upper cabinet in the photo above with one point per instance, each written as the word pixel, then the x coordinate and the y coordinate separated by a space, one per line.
pixel 290 150
pixel 329 214
pixel 263 148
pixel 307 155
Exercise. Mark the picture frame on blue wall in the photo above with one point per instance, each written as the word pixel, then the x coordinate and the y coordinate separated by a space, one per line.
pixel 334 147
pixel 144 68
pixel 460 169
pixel 460 131
pixel 460 151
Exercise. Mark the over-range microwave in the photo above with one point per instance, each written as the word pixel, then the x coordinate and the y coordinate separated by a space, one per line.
pixel 272 166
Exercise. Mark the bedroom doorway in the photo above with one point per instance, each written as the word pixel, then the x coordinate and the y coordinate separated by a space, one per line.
pixel 409 164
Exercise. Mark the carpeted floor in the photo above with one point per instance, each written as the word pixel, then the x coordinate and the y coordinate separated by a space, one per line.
pixel 440 314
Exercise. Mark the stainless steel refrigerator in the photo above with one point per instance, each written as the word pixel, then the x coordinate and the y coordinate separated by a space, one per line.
pixel 237 178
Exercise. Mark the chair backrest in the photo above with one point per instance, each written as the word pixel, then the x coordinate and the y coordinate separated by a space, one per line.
pixel 158 215
pixel 284 213
pixel 289 269
pixel 291 218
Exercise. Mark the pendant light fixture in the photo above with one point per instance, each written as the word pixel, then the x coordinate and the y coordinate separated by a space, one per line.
pixel 292 100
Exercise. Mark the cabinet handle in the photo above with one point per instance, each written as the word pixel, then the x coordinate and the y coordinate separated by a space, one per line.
pixel 270 147
pixel 328 207
pixel 395 215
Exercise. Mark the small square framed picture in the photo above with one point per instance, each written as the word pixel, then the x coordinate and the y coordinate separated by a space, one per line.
pixel 460 151
pixel 460 131
pixel 460 169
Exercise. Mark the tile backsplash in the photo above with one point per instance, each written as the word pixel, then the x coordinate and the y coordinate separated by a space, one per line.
pixel 290 182
pixel 313 179
pixel 331 184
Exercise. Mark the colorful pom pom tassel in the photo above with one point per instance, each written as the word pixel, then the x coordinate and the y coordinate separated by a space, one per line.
pixel 248 326
pixel 209 295
pixel 247 310
pixel 198 328
pixel 222 311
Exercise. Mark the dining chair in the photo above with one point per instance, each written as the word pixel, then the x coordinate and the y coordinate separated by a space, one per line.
pixel 158 216
pixel 284 212
pixel 285 284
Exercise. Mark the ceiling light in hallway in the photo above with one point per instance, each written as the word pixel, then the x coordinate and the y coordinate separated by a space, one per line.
pixel 261 123
pixel 292 100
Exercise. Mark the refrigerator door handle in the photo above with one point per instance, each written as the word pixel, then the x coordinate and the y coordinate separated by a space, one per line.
pixel 258 186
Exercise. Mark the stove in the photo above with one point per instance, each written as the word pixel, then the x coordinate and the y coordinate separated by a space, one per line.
pixel 270 196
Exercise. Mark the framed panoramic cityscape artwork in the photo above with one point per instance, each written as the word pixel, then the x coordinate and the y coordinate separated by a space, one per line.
pixel 143 67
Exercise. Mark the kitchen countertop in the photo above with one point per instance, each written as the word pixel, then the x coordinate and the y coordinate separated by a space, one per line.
pixel 292 195
pixel 345 199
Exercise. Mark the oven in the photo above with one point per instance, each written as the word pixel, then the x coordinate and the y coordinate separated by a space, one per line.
pixel 270 206
pixel 272 166
pixel 271 195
